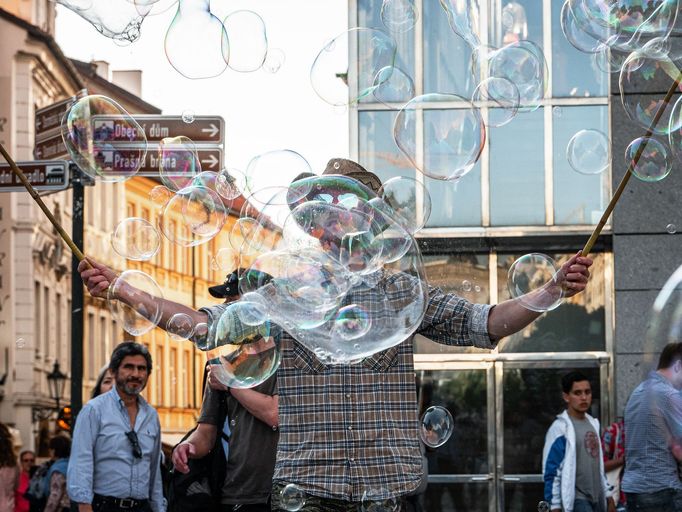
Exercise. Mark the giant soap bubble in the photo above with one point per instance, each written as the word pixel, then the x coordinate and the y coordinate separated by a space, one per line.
pixel 453 136
pixel 103 139
pixel 248 40
pixel 135 239
pixel 533 280
pixel 132 302
pixel 117 19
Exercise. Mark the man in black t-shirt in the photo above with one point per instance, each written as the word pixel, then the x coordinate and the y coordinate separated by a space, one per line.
pixel 252 423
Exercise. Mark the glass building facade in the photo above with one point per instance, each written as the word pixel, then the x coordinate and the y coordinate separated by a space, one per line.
pixel 522 196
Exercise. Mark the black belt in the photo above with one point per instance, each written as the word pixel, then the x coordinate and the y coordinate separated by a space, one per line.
pixel 122 503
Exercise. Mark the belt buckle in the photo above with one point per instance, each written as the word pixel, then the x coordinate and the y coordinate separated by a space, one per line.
pixel 126 503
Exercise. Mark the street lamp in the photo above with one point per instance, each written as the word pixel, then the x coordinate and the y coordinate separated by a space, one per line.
pixel 56 381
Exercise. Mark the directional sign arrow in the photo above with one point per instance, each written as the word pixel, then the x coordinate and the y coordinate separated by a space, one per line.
pixel 210 163
pixel 213 130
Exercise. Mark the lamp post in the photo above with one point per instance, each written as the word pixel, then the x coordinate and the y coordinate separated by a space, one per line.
pixel 56 381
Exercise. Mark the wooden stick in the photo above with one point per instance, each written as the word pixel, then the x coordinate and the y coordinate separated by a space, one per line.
pixel 621 186
pixel 65 236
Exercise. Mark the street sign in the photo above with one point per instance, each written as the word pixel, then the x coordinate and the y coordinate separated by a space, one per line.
pixel 45 176
pixel 204 129
pixel 118 161
pixel 50 117
pixel 50 149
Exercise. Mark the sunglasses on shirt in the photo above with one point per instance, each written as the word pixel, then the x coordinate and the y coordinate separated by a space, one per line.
pixel 137 450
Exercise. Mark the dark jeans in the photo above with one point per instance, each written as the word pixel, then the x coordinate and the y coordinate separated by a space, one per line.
pixel 581 505
pixel 667 500
pixel 257 507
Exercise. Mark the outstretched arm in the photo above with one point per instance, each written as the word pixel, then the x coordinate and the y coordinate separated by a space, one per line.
pixel 511 316
pixel 98 278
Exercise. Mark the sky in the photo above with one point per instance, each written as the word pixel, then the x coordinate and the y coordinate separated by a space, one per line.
pixel 263 111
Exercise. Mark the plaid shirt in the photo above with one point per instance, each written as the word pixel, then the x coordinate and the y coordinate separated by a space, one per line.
pixel 347 429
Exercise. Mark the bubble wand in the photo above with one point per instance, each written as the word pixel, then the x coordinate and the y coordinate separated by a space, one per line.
pixel 635 160
pixel 65 236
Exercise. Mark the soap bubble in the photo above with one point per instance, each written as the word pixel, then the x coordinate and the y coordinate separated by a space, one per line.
pixel 502 98
pixel 644 80
pixel 248 41
pixel 533 281
pixel 399 15
pixel 201 336
pixel 543 506
pixel 375 50
pixel 671 228
pixel 135 239
pixel 588 152
pixel 242 355
pixel 188 116
pixel 20 343
pixel 193 216
pixel 119 20
pixel 374 500
pixel 453 137
pixel 464 20
pixel 160 195
pixel 104 140
pixel 654 162
pixel 225 259
pixel 352 322
pixel 410 200
pixel 557 111
pixel 277 168
pixel 274 60
pixel 665 325
pixel 522 63
pixel 578 34
pixel 178 162
pixel 436 426
pixel 609 60
pixel 292 498
pixel 231 183
pixel 675 129
pixel 130 304
pixel 466 286
pixel 196 42
pixel 180 326
pixel 394 86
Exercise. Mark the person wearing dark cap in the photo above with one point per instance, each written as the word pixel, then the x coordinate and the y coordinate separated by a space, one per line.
pixel 252 414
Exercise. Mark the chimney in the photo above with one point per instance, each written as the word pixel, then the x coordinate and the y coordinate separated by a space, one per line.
pixel 102 68
pixel 130 80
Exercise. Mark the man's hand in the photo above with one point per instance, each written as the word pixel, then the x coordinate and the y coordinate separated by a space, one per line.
pixel 181 455
pixel 573 274
pixel 84 507
pixel 96 277
pixel 214 382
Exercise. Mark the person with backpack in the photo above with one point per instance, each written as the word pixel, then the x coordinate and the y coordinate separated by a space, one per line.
pixel 55 478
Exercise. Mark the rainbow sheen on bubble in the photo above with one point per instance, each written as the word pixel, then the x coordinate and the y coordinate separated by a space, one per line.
pixel 436 426
pixel 137 315
pixel 248 41
pixel 196 42
pixel 654 163
pixel 103 139
pixel 135 239
pixel 533 281
pixel 453 138
pixel 242 355
pixel 376 50
pixel 178 162
pixel 588 152
pixel 352 322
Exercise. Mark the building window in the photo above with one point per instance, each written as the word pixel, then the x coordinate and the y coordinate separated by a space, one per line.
pixel 130 209
pixel 173 375
pixel 58 328
pixel 37 319
pixel 91 371
pixel 48 334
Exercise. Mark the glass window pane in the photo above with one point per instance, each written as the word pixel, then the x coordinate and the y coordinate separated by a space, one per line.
pixel 464 394
pixel 456 203
pixel 517 171
pixel 574 73
pixel 378 152
pixel 532 399
pixel 514 21
pixel 523 497
pixel 460 272
pixel 469 497
pixel 446 56
pixel 578 198
pixel 579 324
pixel 369 15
